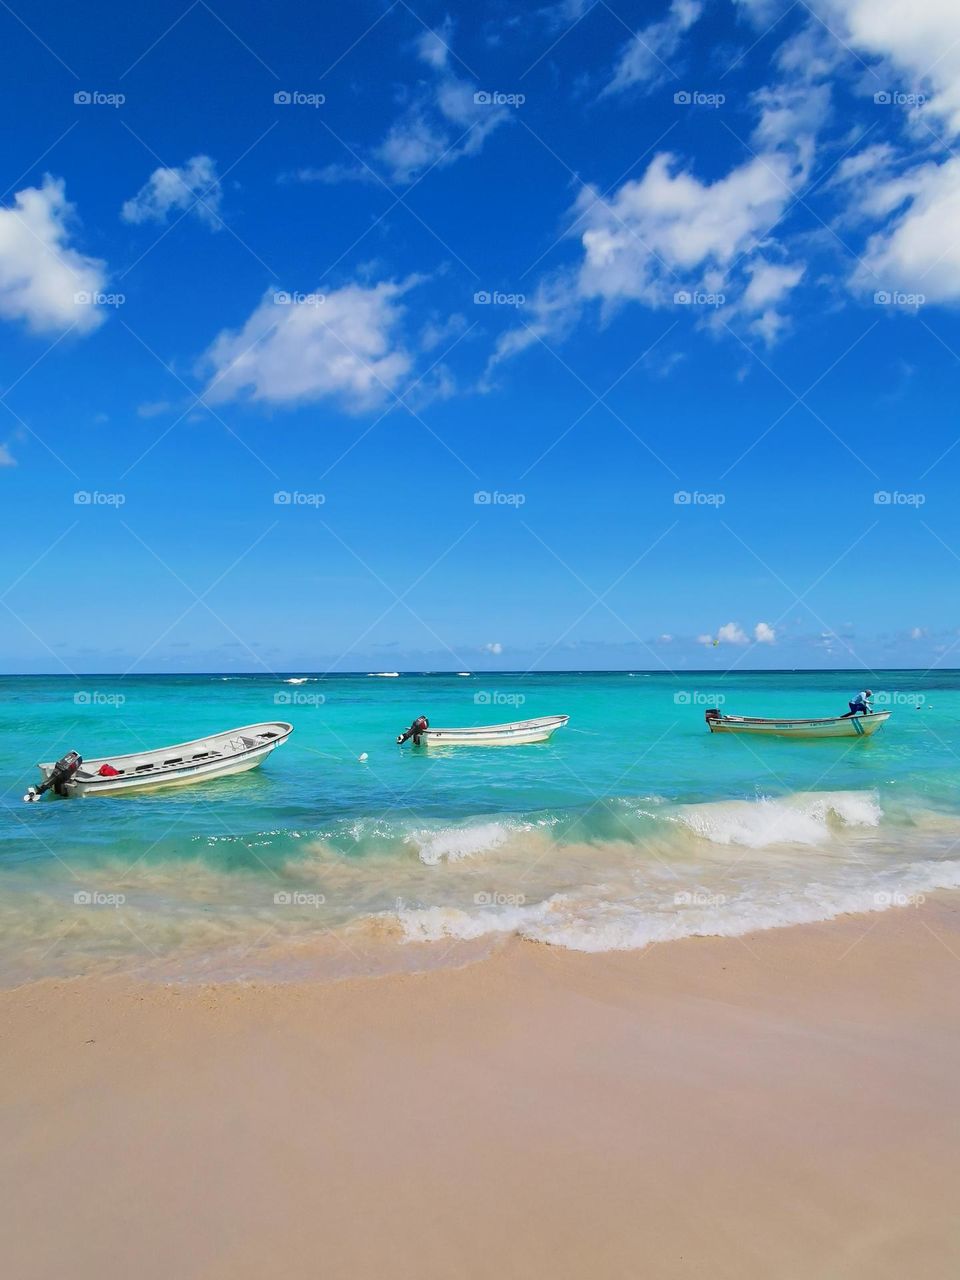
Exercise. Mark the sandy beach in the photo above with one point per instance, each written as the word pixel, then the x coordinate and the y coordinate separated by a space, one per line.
pixel 778 1105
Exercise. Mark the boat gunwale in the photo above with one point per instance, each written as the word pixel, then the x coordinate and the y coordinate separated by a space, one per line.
pixel 520 726
pixel 871 716
pixel 180 746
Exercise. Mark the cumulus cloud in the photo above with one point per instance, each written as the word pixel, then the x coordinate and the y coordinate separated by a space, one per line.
pixel 729 633
pixel 918 43
pixel 661 234
pixel 645 58
pixel 732 633
pixel 194 186
pixel 342 345
pixel 6 457
pixel 919 251
pixel 495 647
pixel 668 224
pixel 44 281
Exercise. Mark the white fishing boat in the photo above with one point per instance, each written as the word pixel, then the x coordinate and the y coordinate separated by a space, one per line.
pixel 858 726
pixel 516 733
pixel 216 756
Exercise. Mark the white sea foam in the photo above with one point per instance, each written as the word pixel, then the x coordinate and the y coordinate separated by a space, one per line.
pixel 803 818
pixel 586 922
pixel 452 843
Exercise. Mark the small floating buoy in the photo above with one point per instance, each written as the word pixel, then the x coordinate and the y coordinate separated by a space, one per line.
pixel 362 756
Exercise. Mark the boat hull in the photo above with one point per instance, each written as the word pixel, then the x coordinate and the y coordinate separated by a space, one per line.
pixel 515 734
pixel 861 726
pixel 247 750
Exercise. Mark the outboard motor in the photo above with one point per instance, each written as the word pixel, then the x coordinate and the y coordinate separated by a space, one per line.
pixel 60 775
pixel 414 732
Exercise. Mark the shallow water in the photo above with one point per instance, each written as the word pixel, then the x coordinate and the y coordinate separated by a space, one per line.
pixel 632 826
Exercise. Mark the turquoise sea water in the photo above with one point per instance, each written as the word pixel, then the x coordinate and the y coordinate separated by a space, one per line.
pixel 632 825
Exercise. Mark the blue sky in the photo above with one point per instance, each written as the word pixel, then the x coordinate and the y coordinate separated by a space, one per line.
pixel 384 336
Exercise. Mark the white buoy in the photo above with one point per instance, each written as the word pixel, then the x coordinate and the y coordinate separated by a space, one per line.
pixel 362 757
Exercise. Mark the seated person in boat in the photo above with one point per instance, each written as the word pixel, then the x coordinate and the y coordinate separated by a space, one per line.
pixel 860 706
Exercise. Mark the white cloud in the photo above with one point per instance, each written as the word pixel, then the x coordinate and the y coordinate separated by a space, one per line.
pixel 552 311
pixel 442 122
pixel 438 129
pixel 495 647
pixel 153 408
pixel 43 281
pixel 763 633
pixel 661 232
pixel 668 232
pixel 343 347
pixel 917 633
pixel 791 115
pixel 645 58
pixel 919 42
pixel 434 46
pixel 729 633
pixel 193 186
pixel 6 457
pixel 732 633
pixel 770 282
pixel 873 161
pixel 919 252
pixel 330 174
